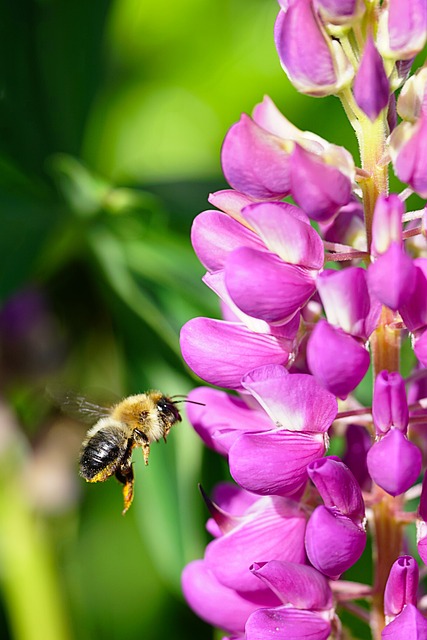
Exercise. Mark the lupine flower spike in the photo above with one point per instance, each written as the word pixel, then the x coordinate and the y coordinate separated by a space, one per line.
pixel 321 276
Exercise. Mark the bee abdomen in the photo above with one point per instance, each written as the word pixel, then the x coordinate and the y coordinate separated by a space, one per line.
pixel 101 456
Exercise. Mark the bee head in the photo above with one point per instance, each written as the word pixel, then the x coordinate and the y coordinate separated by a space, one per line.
pixel 169 413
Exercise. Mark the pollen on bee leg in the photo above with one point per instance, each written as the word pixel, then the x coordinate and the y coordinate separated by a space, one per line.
pixel 146 451
pixel 127 495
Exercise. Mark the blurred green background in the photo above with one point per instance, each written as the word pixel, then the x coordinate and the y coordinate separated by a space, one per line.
pixel 112 115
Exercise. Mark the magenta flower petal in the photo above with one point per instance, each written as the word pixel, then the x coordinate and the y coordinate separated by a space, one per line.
pixel 333 542
pixel 387 223
pixel 345 298
pixel 337 487
pixel 414 311
pixel 260 535
pixel 222 352
pixel 392 277
pixel 336 359
pixel 402 586
pixel 215 603
pixel 318 187
pixel 358 445
pixel 286 231
pixel 410 160
pixel 283 623
pixel 274 462
pixel 214 235
pixel 340 11
pixel 403 29
pixel 221 412
pixel 410 625
pixel 300 39
pixel 265 287
pixel 286 332
pixel 268 116
pixel 256 162
pixel 394 462
pixel 231 202
pixel 389 406
pixel 371 87
pixel 299 585
pixel 296 402
pixel 420 348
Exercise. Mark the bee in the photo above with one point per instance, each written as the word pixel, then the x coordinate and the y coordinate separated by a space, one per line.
pixel 136 421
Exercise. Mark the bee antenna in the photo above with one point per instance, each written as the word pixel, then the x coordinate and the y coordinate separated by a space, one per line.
pixel 201 404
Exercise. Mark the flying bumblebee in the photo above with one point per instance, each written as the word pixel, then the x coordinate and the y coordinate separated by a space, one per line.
pixel 136 421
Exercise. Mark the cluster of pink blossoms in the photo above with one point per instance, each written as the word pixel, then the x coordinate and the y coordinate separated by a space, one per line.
pixel 307 310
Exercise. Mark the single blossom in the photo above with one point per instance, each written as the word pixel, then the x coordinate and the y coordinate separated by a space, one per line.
pixel 402 29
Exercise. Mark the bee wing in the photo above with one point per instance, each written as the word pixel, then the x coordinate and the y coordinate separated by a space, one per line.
pixel 78 407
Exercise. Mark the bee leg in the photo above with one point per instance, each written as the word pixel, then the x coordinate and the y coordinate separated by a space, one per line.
pixel 166 433
pixel 141 440
pixel 125 476
pixel 146 451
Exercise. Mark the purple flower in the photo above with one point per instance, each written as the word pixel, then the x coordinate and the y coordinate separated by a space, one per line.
pixel 371 88
pixel 300 39
pixel 394 462
pixel 341 519
pixel 400 598
pixel 220 606
pixel 402 28
pixel 267 158
pixel 408 150
pixel 402 585
pixel 306 611
pixel 342 12
pixel 329 354
pixel 275 461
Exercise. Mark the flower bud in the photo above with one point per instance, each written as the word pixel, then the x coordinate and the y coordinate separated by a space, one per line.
pixel 402 29
pixel 411 97
pixel 371 87
pixel 401 587
pixel 389 406
pixel 394 462
pixel 408 151
pixel 387 223
pixel 300 39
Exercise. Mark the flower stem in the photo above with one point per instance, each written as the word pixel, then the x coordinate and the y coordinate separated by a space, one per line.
pixel 387 547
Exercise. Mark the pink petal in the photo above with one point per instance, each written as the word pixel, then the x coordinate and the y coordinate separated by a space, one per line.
pixel 214 235
pixel 296 584
pixel 299 41
pixel 265 287
pixel 283 623
pixel 336 359
pixel 402 585
pixel 286 231
pixel 294 402
pixel 259 536
pixel 221 412
pixel 255 162
pixel 222 352
pixel 318 187
pixel 345 298
pixel 215 603
pixel 231 202
pixel 409 625
pixel 392 277
pixel 371 88
pixel 274 462
pixel 333 542
pixel 394 462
